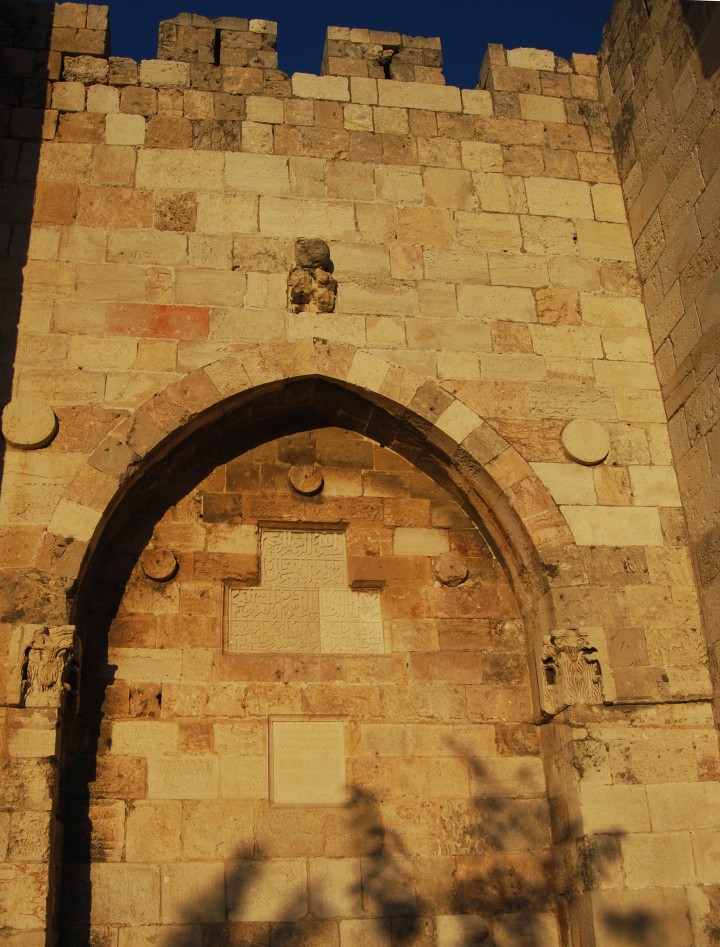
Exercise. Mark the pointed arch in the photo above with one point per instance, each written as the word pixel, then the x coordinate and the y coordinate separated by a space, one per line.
pixel 254 395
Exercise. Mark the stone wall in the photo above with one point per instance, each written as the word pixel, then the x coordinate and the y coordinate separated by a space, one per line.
pixel 446 813
pixel 221 256
pixel 660 82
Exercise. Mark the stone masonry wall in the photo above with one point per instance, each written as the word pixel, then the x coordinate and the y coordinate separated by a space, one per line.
pixel 448 815
pixel 448 272
pixel 661 84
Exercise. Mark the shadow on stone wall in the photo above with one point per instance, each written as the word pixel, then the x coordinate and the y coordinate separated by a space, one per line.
pixel 24 40
pixel 703 20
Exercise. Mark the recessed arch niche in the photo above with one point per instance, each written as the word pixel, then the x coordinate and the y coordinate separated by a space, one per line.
pixel 445 829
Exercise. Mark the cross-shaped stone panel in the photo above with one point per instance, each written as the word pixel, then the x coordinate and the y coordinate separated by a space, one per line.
pixel 304 603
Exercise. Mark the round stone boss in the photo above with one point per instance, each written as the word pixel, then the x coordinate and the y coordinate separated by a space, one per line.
pixel 28 423
pixel 450 568
pixel 586 442
pixel 159 563
pixel 306 479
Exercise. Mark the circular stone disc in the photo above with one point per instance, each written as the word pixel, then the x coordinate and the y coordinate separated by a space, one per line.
pixel 306 479
pixel 586 442
pixel 451 568
pixel 28 423
pixel 159 564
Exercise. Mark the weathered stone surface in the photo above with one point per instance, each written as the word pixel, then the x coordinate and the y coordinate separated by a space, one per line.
pixel 159 563
pixel 28 423
pixel 586 442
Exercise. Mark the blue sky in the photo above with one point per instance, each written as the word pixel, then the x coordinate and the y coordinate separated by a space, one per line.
pixel 565 26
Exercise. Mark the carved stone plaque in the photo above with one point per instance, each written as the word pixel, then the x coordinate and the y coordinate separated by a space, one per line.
pixel 304 603
pixel 307 762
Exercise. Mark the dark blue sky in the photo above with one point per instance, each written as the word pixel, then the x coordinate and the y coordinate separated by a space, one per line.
pixel 465 26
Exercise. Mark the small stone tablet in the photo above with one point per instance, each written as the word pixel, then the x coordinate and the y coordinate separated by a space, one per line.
pixel 306 479
pixel 451 569
pixel 159 564
pixel 307 762
pixel 29 423
pixel 586 442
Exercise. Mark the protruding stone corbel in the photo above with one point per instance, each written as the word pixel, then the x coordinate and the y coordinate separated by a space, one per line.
pixel 311 286
pixel 573 669
pixel 44 665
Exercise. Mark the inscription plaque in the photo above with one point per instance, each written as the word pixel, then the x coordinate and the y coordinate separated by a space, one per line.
pixel 307 762
pixel 304 603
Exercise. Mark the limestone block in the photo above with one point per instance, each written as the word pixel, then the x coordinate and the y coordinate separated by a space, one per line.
pixel 707 856
pixel 71 519
pixel 148 247
pixel 481 156
pixel 28 423
pixel 496 302
pixel 445 187
pixel 455 265
pixel 554 197
pixel 283 216
pixel 363 933
pixel 608 203
pixel 516 269
pixel 183 777
pixel 527 58
pixel 279 890
pixel 612 311
pixel 335 889
pixel 216 828
pixel 264 174
pixel 181 170
pixel 193 892
pixel 654 486
pixel 604 241
pixel 542 108
pixel 489 231
pixel 68 96
pixel 615 809
pixel 28 743
pixel 124 894
pixel 144 737
pixel 244 777
pixel 477 102
pixel 458 930
pixel 123 129
pixel 196 287
pixel 24 902
pixel 420 541
pixel 614 526
pixel 567 484
pixel 586 441
pixel 401 184
pixel 434 98
pixel 103 99
pixel 147 664
pixel 164 74
pixel 377 299
pixel 334 88
pixel 684 806
pixel 226 213
pixel 153 832
pixel 661 859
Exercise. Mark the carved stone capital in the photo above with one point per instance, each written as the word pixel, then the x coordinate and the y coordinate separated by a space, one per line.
pixel 572 669
pixel 43 665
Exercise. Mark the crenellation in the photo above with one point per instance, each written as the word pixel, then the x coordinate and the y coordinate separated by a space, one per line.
pixel 377 55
